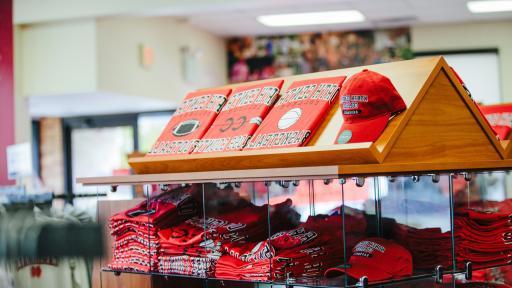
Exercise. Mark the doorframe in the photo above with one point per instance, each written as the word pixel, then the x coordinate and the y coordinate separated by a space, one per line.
pixel 99 121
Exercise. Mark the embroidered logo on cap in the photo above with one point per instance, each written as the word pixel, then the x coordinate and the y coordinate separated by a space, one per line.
pixel 344 137
pixel 366 249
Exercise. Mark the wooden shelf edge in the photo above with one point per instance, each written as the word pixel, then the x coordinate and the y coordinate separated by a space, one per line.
pixel 319 172
pixel 357 153
pixel 299 173
pixel 506 147
pixel 426 168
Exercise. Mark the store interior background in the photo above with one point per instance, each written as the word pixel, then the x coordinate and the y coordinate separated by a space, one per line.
pixel 97 80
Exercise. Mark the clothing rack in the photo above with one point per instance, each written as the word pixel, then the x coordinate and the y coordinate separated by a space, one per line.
pixel 17 195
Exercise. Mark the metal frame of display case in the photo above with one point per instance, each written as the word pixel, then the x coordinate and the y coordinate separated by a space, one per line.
pixel 441 131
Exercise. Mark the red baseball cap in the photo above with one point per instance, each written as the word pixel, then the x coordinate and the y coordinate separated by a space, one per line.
pixel 368 100
pixel 378 259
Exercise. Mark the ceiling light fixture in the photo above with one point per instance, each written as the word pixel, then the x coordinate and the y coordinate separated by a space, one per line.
pixel 490 6
pixel 311 18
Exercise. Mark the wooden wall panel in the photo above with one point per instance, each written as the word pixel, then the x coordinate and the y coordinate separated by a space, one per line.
pixel 51 154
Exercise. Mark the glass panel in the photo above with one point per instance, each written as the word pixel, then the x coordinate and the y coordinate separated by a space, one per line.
pixel 314 242
pixel 101 152
pixel 415 214
pixel 482 219
pixel 391 226
pixel 177 241
pixel 350 201
pixel 237 228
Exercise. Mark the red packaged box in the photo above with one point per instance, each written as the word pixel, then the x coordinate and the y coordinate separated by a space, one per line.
pixel 297 114
pixel 240 117
pixel 190 122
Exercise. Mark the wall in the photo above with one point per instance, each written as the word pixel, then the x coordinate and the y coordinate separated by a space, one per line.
pixel 89 55
pixel 59 57
pixel 52 58
pixel 119 71
pixel 22 127
pixel 470 36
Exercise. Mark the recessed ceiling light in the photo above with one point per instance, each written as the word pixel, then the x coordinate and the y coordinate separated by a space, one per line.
pixel 490 6
pixel 311 18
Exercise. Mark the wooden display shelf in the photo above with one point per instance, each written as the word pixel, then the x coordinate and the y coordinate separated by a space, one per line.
pixel 357 153
pixel 507 148
pixel 300 173
pixel 441 130
pixel 441 124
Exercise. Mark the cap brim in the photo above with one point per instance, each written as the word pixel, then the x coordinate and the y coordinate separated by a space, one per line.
pixel 362 131
pixel 357 272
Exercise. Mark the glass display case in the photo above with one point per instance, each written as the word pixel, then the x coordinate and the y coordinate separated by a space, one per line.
pixel 395 231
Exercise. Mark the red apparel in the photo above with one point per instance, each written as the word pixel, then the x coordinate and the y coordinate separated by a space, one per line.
pixel 199 242
pixel 306 251
pixel 242 114
pixel 136 244
pixel 378 259
pixel 368 101
pixel 483 235
pixel 297 114
pixel 190 122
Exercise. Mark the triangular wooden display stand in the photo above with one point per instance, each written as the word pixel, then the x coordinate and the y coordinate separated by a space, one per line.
pixel 441 129
pixel 507 148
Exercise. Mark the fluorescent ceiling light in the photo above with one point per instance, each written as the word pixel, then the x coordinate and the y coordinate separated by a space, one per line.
pixel 311 18
pixel 490 6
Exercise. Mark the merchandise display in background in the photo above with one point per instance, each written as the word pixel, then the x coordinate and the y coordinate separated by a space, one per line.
pixel 264 57
pixel 70 272
pixel 243 113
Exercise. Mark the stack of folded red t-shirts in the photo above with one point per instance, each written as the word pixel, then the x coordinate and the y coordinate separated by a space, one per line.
pixel 136 242
pixel 306 251
pixel 482 234
pixel 420 243
pixel 185 251
pixel 485 233
pixel 198 242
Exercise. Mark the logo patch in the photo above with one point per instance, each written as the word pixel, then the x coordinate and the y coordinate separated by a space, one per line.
pixel 185 128
pixel 345 136
pixel 256 120
pixel 289 118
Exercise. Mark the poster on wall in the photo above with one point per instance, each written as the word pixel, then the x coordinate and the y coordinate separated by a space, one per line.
pixel 264 57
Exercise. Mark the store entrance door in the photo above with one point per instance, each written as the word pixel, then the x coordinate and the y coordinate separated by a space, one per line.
pixel 98 146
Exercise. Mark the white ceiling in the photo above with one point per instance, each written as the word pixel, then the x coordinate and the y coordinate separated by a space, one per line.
pixel 241 20
pixel 238 17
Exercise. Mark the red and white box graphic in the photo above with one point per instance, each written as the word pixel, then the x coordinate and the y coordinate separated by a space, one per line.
pixel 297 114
pixel 190 122
pixel 242 114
